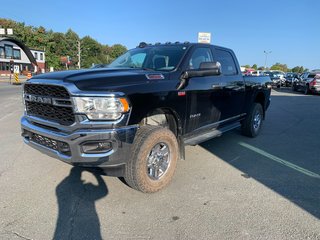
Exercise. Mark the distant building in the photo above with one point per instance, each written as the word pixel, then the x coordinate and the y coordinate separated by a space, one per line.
pixel 11 51
pixel 40 58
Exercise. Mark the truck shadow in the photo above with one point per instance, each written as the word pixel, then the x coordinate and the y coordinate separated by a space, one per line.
pixel 77 217
pixel 285 157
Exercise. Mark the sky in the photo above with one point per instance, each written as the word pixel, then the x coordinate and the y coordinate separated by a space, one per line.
pixel 289 29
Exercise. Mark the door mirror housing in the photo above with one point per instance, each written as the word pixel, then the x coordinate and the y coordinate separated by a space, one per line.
pixel 205 69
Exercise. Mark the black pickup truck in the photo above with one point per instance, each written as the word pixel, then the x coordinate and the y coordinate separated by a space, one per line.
pixel 135 117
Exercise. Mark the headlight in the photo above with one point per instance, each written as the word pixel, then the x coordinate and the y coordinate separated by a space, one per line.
pixel 101 108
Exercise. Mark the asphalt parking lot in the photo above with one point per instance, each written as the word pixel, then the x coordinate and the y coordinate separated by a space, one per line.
pixel 231 187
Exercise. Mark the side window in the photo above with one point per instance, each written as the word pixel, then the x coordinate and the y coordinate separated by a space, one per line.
pixel 228 67
pixel 198 56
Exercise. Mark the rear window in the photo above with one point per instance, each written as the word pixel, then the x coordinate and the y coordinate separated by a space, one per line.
pixel 225 58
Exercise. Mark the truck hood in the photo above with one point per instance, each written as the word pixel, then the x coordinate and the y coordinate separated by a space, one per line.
pixel 109 79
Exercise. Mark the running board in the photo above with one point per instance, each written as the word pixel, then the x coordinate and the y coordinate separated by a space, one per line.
pixel 210 134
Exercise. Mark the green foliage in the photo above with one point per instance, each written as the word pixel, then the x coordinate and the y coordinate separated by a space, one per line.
pixel 56 45
pixel 280 67
pixel 246 66
pixel 255 66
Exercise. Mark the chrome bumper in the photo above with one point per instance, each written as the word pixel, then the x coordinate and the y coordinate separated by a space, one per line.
pixel 121 139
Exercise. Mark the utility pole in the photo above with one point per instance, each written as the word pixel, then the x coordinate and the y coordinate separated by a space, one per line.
pixel 265 62
pixel 79 54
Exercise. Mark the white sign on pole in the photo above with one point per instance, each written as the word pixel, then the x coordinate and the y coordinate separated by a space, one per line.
pixel 204 37
pixel 2 31
pixel 9 31
pixel 16 69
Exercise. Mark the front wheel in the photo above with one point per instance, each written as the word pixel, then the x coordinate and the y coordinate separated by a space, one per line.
pixel 154 158
pixel 251 126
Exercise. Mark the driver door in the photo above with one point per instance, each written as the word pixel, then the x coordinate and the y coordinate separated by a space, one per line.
pixel 204 94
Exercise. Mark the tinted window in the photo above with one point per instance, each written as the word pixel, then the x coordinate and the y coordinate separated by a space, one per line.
pixel 199 56
pixel 162 58
pixel 225 58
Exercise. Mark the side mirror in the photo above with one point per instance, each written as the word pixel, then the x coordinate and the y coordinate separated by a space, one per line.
pixel 205 69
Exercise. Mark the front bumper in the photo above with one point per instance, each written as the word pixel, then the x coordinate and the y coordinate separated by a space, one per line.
pixel 121 140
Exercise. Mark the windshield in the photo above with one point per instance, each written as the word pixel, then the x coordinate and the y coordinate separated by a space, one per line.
pixel 161 58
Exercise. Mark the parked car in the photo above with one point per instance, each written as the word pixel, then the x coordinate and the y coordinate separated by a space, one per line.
pixel 308 83
pixel 257 73
pixel 290 77
pixel 281 76
pixel 275 78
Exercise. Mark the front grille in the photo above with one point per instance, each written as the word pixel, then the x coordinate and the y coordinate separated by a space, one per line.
pixel 60 114
pixel 46 90
pixel 59 146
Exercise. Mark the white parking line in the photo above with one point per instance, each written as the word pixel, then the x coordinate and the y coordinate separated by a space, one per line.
pixel 280 160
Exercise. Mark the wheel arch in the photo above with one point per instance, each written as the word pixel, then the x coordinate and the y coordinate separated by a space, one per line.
pixel 261 98
pixel 172 121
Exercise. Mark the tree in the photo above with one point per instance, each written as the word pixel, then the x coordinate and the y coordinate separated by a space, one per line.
pixel 117 50
pixel 72 39
pixel 90 51
pixel 255 66
pixel 246 66
pixel 299 69
pixel 279 67
pixel 57 44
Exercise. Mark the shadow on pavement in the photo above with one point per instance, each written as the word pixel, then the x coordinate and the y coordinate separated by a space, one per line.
pixel 286 155
pixel 78 218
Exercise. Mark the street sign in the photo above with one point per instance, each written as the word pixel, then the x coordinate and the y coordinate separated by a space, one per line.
pixel 204 37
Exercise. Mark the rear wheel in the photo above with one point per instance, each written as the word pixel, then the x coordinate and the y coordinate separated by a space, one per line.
pixel 307 90
pixel 154 159
pixel 251 126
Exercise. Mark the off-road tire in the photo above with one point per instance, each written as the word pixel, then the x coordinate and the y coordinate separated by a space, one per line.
pixel 136 174
pixel 248 125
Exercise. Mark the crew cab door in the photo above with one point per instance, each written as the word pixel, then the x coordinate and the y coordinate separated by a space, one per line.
pixel 204 94
pixel 232 83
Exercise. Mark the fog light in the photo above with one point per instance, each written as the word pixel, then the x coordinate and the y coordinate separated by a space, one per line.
pixel 63 147
pixel 96 147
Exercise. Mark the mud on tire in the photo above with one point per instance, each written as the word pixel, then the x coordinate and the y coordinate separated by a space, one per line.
pixel 154 149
